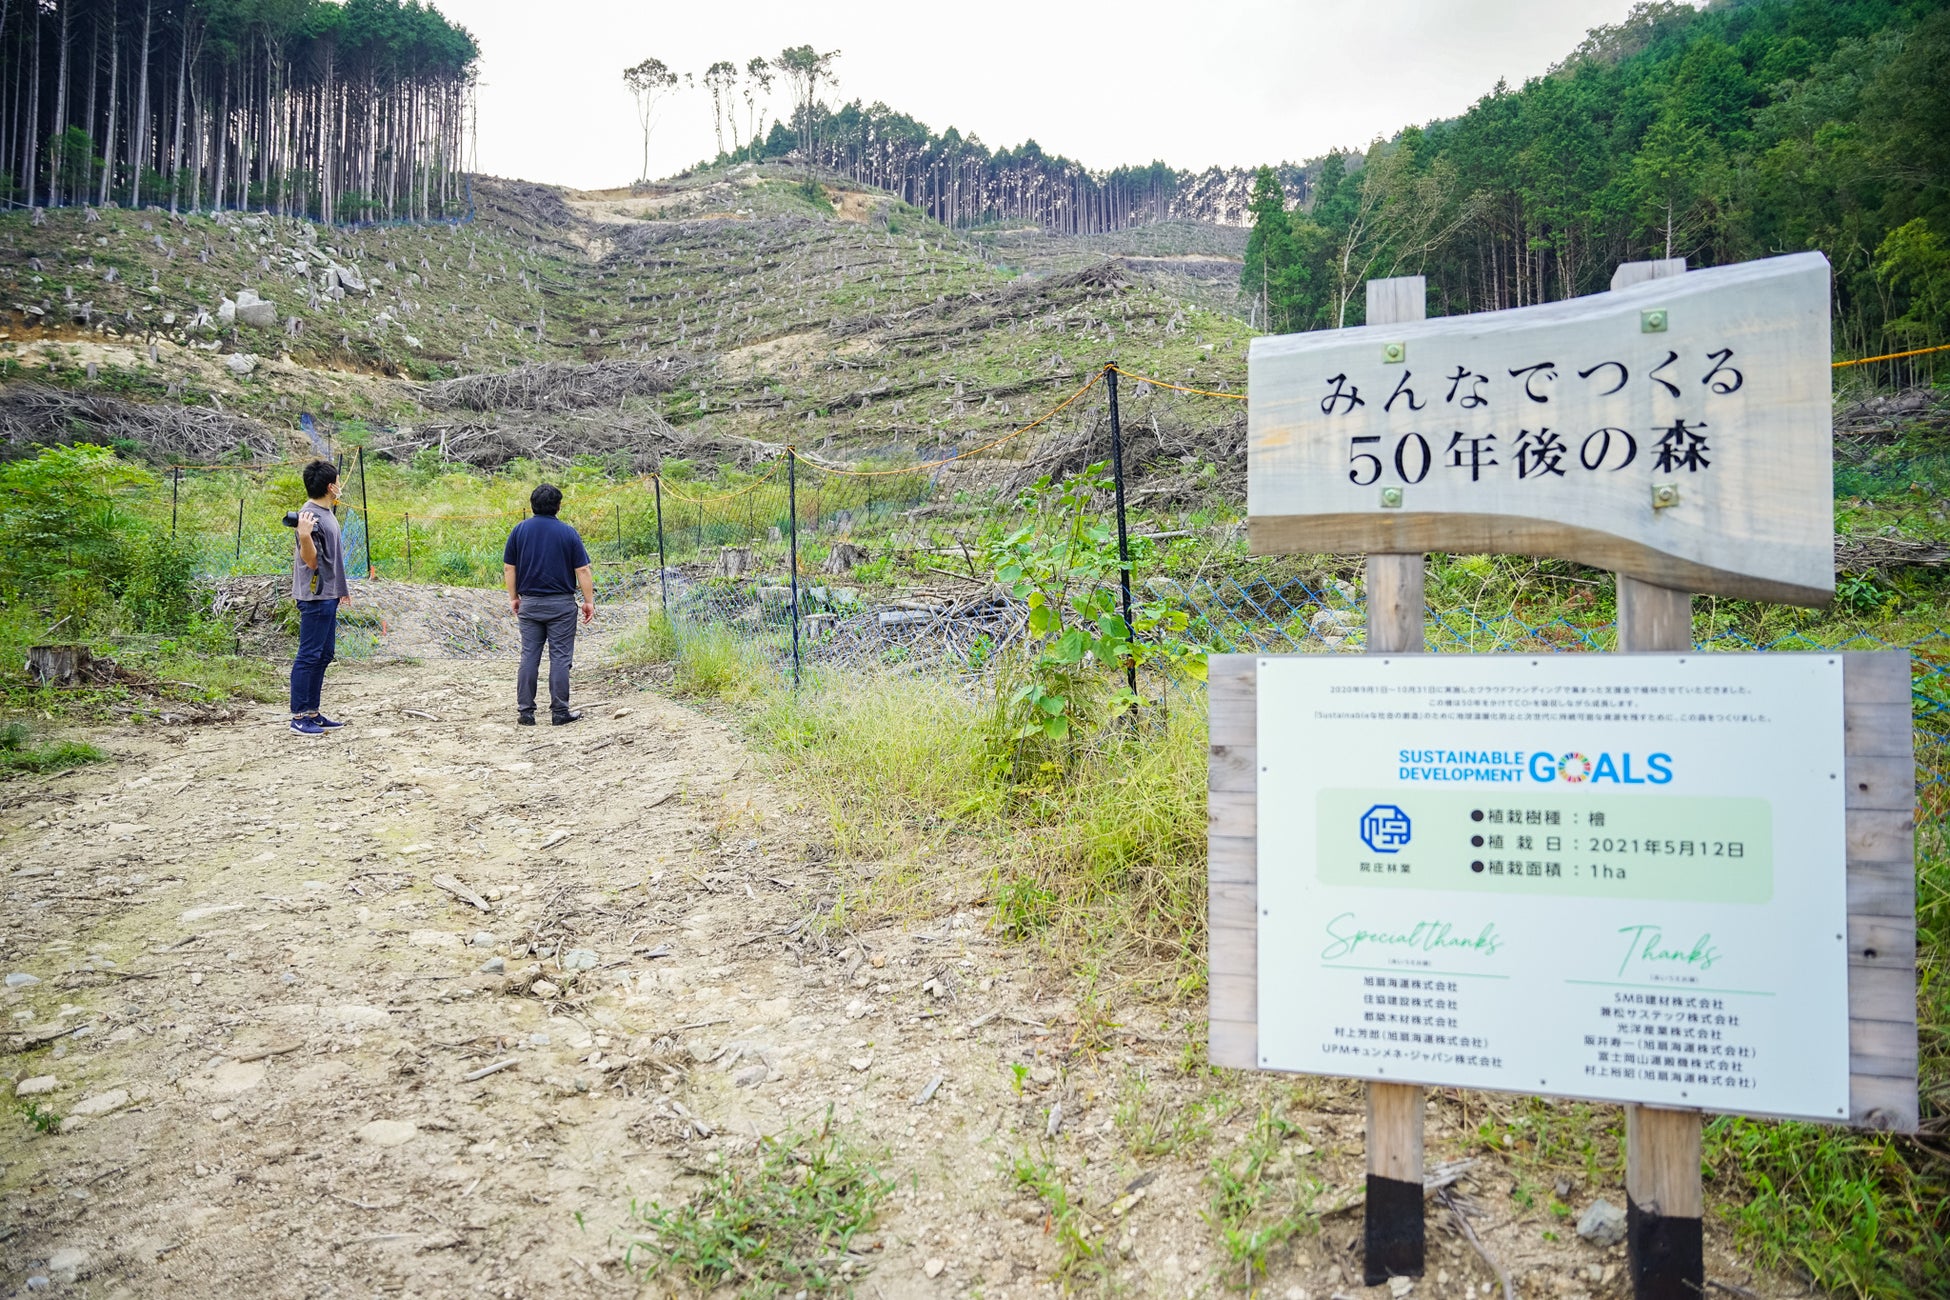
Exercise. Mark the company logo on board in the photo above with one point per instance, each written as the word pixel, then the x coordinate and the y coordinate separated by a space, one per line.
pixel 1385 828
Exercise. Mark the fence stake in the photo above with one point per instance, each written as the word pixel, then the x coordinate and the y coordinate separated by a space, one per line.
pixel 619 530
pixel 1123 544
pixel 240 531
pixel 792 528
pixel 1393 1228
pixel 365 515
pixel 409 546
pixel 175 483
pixel 663 579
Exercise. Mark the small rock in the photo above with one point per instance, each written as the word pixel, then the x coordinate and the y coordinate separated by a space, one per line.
pixel 483 940
pixel 579 959
pixel 1043 1074
pixel 67 1263
pixel 855 1009
pixel 1603 1224
pixel 38 1086
pixel 1563 1189
pixel 544 989
pixel 860 1062
pixel 240 363
pixel 388 1132
pixel 751 1076
pixel 493 966
pixel 38 1283
pixel 102 1102
pixel 934 1266
pixel 620 713
pixel 21 979
pixel 1400 1286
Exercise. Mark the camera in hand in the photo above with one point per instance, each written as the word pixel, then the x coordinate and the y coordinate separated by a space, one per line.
pixel 291 519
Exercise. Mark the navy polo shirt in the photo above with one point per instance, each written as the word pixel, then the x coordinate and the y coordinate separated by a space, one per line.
pixel 546 554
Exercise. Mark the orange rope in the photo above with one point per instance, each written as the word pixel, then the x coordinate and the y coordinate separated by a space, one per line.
pixel 752 486
pixel 1146 379
pixel 1892 356
pixel 1044 418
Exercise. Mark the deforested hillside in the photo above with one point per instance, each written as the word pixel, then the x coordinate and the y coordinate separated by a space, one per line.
pixel 734 309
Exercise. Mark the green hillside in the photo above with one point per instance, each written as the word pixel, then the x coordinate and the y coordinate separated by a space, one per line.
pixel 728 309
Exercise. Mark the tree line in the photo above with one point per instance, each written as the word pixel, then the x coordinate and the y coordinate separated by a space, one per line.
pixel 954 178
pixel 1749 128
pixel 339 111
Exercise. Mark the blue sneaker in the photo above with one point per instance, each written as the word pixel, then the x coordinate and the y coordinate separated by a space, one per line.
pixel 325 722
pixel 307 727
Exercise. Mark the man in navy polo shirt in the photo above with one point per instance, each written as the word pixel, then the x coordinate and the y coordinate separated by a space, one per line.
pixel 544 563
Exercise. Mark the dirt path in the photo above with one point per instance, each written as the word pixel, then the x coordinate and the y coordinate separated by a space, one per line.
pixel 261 1019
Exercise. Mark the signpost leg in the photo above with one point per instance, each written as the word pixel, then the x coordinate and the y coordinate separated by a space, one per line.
pixel 1393 1228
pixel 1663 1196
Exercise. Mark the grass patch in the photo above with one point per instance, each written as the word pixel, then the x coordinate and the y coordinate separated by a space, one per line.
pixel 18 753
pixel 1262 1194
pixel 780 1220
pixel 1081 1257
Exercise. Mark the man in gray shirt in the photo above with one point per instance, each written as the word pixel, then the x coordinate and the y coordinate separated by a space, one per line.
pixel 318 585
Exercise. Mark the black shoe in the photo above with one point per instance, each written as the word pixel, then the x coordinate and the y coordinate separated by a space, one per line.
pixel 524 720
pixel 564 719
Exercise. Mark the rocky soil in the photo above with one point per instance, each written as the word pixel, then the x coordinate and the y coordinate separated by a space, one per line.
pixel 425 1006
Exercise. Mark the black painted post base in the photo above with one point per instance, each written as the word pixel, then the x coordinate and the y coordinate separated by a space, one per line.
pixel 1394 1235
pixel 1667 1256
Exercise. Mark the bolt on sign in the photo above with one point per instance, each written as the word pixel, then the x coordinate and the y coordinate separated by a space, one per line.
pixel 1680 881
pixel 1640 430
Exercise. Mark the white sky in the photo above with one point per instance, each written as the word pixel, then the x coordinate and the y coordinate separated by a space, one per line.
pixel 1236 82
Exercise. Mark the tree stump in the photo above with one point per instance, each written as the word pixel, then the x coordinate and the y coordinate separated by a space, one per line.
pixel 843 557
pixel 58 665
pixel 733 560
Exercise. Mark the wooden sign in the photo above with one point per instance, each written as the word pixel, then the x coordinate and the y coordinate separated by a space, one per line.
pixel 1575 430
pixel 1677 431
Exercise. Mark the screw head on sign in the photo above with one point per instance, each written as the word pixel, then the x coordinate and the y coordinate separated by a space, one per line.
pixel 1653 321
pixel 1664 494
pixel 1391 498
pixel 1394 352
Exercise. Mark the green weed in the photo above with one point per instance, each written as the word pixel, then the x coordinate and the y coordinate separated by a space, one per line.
pixel 1080 1256
pixel 779 1220
pixel 18 754
pixel 42 1120
pixel 1262 1194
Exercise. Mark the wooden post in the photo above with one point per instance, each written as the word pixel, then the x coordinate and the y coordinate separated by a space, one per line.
pixel 1394 1232
pixel 1664 1199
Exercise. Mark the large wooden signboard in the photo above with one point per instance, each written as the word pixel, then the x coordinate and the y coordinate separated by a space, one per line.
pixel 1644 431
pixel 1675 430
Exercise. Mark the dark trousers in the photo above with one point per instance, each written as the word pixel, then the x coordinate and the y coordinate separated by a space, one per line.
pixel 318 640
pixel 551 619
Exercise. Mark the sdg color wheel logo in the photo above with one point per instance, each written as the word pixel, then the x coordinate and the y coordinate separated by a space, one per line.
pixel 1385 828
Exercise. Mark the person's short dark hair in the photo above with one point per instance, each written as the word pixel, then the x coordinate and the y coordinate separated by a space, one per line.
pixel 546 499
pixel 319 475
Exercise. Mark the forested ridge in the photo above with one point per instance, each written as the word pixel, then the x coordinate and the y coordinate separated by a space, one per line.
pixel 343 112
pixel 1747 129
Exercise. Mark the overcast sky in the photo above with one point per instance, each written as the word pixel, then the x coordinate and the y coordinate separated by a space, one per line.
pixel 1231 82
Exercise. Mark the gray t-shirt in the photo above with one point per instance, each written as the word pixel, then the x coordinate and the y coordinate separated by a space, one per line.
pixel 327 581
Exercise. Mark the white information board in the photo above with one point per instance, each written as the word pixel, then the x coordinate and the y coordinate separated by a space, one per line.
pixel 1618 877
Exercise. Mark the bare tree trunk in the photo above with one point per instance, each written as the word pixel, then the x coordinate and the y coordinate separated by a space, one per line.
pixel 139 137
pixel 88 122
pixel 182 90
pixel 60 111
pixel 114 70
pixel 34 110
